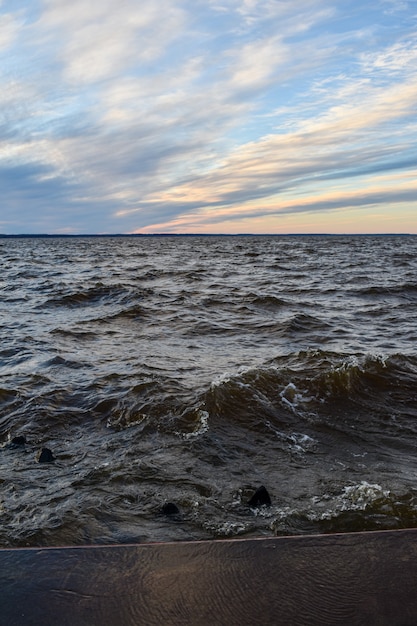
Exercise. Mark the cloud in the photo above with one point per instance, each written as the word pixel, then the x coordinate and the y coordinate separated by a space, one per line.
pixel 104 39
pixel 124 115
pixel 400 57
pixel 339 202
pixel 337 144
pixel 10 25
pixel 395 6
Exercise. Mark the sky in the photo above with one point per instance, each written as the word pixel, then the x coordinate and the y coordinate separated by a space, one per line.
pixel 208 116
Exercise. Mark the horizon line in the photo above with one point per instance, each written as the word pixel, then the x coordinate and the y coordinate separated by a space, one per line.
pixel 324 234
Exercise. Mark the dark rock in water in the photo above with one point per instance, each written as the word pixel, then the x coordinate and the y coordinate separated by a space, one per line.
pixel 45 456
pixel 169 508
pixel 260 497
pixel 18 441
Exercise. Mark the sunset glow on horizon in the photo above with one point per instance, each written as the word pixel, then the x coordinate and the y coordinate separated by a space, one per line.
pixel 234 116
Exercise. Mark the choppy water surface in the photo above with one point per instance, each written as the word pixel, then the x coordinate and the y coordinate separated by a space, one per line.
pixel 192 370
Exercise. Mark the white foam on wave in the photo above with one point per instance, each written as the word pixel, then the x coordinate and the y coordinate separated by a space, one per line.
pixel 129 422
pixel 294 398
pixel 227 377
pixel 228 528
pixel 301 442
pixel 360 496
pixel 297 442
pixel 202 426
pixel 353 498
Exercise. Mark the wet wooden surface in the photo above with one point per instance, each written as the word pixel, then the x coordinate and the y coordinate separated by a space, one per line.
pixel 361 578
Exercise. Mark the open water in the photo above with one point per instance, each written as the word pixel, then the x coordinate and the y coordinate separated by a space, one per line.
pixel 193 370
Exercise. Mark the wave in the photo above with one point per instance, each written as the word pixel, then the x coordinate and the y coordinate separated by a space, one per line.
pixel 356 508
pixel 302 323
pixel 258 325
pixel 292 396
pixel 403 289
pixel 131 312
pixel 8 396
pixel 268 302
pixel 59 361
pixel 74 334
pixel 317 387
pixel 97 295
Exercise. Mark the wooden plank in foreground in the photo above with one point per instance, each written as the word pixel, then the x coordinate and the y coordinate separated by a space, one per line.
pixel 361 578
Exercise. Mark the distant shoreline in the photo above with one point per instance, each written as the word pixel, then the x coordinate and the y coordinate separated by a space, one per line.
pixel 156 235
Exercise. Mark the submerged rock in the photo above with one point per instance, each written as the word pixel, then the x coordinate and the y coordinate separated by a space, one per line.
pixel 45 456
pixel 20 440
pixel 169 508
pixel 261 497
